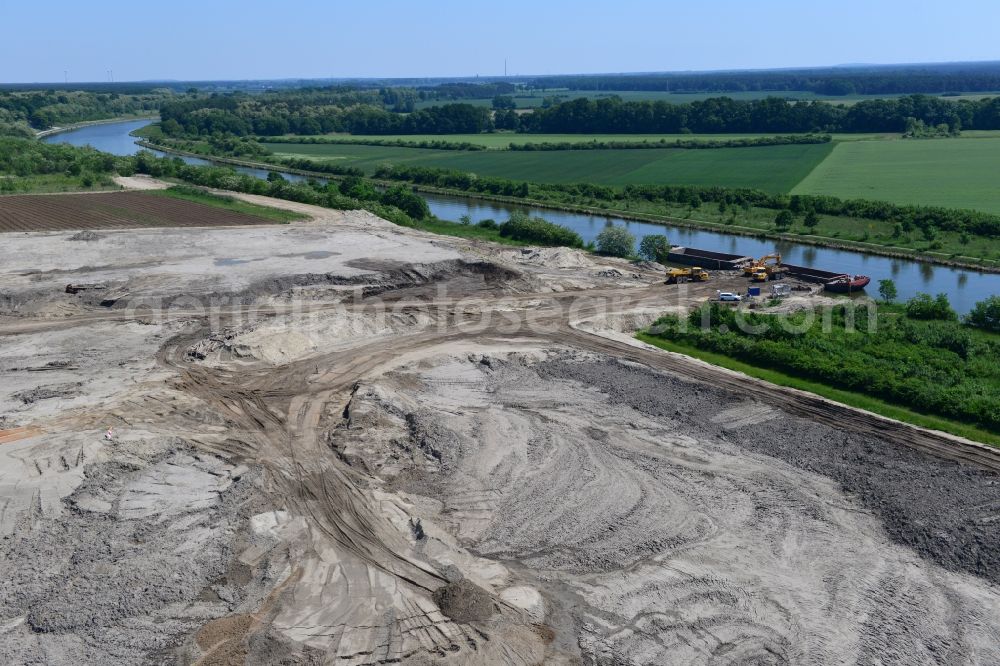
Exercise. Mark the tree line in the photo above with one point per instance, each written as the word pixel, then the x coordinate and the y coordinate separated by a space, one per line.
pixel 723 114
pixel 23 158
pixel 23 112
pixel 891 80
pixel 362 112
pixel 356 112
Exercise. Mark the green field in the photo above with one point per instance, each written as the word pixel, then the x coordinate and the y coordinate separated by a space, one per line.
pixel 501 140
pixel 772 168
pixel 954 173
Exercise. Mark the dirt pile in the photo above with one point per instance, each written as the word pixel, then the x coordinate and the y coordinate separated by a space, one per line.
pixel 463 601
pixel 85 236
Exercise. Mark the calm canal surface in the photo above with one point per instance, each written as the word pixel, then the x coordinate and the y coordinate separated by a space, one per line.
pixel 963 287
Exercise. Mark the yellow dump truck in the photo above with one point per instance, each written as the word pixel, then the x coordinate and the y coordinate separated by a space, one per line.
pixel 680 275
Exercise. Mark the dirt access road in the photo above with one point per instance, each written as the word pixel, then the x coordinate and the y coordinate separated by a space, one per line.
pixel 340 441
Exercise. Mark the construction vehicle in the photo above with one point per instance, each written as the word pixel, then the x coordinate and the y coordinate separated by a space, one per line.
pixel 77 288
pixel 681 275
pixel 766 268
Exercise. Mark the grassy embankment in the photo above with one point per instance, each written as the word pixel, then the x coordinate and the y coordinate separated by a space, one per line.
pixel 934 374
pixel 188 193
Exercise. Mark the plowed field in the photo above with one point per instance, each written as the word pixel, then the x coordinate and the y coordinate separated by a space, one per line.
pixel 111 210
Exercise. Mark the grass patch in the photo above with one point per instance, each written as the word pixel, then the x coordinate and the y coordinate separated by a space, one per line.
pixel 152 132
pixel 850 398
pixel 952 172
pixel 470 231
pixel 193 194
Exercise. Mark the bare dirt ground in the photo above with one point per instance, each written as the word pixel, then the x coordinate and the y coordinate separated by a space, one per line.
pixel 340 441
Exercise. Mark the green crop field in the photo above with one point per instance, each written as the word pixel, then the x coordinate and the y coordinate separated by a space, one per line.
pixel 955 173
pixel 772 168
pixel 501 140
pixel 948 172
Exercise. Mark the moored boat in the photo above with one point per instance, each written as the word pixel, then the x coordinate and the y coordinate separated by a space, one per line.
pixel 845 284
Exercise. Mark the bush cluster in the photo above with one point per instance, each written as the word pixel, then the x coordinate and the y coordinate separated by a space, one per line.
pixel 536 230
pixel 931 365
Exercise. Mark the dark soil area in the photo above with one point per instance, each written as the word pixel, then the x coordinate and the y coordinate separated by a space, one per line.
pixel 111 210
pixel 463 601
pixel 946 511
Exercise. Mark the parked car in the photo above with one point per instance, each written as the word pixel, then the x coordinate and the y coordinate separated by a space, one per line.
pixel 729 296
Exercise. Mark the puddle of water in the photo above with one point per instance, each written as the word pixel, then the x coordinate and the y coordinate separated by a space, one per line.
pixel 230 261
pixel 315 254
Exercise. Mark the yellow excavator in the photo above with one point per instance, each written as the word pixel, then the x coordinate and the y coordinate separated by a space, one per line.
pixel 766 268
pixel 680 275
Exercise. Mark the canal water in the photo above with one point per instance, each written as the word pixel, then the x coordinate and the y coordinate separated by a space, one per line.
pixel 963 287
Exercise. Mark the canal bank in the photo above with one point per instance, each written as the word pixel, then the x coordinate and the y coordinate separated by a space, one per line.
pixel 260 169
pixel 963 286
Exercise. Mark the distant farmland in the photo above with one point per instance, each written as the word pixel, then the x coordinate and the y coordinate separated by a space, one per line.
pixel 947 172
pixel 955 173
pixel 771 168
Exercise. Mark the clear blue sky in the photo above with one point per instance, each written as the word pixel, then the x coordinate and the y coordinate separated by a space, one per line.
pixel 242 39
